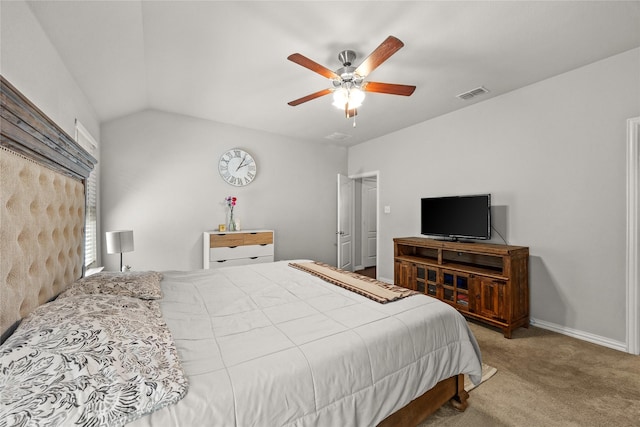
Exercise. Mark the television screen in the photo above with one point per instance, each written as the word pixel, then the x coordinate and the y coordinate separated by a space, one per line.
pixel 457 217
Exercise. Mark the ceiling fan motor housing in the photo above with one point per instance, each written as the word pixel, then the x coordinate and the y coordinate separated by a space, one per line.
pixel 347 72
pixel 346 57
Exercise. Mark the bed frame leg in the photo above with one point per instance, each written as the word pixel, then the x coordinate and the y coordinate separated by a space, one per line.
pixel 459 401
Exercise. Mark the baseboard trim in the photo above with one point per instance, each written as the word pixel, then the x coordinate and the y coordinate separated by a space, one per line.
pixel 385 280
pixel 581 335
pixel 574 333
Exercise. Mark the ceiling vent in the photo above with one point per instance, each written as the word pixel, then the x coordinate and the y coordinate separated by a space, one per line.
pixel 472 93
pixel 337 136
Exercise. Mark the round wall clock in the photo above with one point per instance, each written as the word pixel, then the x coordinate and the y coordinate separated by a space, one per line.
pixel 237 167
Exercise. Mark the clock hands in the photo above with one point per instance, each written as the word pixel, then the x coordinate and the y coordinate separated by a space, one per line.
pixel 242 163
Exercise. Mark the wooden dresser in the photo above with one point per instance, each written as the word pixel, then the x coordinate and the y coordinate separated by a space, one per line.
pixel 222 249
pixel 483 281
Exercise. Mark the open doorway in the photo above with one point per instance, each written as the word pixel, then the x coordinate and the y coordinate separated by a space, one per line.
pixel 358 214
pixel 366 225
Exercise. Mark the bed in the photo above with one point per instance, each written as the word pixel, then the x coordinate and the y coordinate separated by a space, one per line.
pixel 265 344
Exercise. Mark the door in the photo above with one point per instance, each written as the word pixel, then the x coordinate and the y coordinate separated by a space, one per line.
pixel 369 221
pixel 344 232
pixel 403 274
pixel 490 298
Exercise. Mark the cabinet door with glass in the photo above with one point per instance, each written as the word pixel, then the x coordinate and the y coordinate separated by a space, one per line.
pixel 455 288
pixel 426 280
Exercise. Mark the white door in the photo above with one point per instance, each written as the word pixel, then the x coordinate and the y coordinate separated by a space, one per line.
pixel 344 232
pixel 369 221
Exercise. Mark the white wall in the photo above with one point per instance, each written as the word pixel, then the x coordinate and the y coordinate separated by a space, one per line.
pixel 31 64
pixel 553 157
pixel 160 178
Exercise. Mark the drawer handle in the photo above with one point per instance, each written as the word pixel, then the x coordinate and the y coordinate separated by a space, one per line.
pixel 253 233
pixel 253 257
pixel 232 247
pixel 263 244
pixel 222 260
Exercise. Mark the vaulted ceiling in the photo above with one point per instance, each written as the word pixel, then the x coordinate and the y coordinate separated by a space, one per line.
pixel 226 61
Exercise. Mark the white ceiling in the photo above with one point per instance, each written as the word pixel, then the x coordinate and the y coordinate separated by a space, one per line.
pixel 227 60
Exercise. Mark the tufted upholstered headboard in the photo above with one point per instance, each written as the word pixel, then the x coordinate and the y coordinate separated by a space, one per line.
pixel 42 208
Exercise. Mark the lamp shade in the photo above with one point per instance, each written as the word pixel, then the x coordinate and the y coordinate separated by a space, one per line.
pixel 119 241
pixel 353 96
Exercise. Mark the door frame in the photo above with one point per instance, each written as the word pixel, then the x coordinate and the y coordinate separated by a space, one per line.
pixel 633 236
pixel 364 233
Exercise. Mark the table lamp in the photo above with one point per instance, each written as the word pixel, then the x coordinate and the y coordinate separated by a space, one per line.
pixel 118 242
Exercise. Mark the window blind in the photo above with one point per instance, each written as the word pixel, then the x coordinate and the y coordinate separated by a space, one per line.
pixel 86 141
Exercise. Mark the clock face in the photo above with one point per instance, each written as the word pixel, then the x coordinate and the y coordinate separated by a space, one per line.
pixel 237 167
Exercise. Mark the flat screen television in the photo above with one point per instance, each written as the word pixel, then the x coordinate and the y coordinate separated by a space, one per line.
pixel 457 217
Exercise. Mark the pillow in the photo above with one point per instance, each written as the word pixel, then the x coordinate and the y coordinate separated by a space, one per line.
pixel 139 284
pixel 89 360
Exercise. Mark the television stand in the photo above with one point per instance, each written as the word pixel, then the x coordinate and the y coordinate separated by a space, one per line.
pixel 483 281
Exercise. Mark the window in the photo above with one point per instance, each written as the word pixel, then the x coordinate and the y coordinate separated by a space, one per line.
pixel 86 141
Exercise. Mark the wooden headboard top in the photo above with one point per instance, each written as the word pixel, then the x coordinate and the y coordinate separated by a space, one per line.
pixel 42 208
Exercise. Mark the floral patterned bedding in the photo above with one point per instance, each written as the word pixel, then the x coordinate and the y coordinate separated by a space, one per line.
pixel 138 284
pixel 89 360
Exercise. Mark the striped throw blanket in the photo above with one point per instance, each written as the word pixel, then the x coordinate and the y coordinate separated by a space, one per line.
pixel 371 288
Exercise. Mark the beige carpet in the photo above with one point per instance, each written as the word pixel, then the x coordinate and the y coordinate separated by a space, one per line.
pixel 546 379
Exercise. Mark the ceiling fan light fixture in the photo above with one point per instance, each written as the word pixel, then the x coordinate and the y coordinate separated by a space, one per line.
pixel 349 85
pixel 353 96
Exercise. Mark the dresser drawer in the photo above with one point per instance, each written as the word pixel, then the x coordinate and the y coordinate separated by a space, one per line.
pixel 225 240
pixel 240 261
pixel 261 238
pixel 237 252
pixel 239 239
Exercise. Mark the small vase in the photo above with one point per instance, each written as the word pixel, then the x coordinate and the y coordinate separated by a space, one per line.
pixel 232 223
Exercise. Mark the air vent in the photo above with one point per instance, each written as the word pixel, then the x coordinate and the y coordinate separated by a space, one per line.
pixel 337 136
pixel 472 93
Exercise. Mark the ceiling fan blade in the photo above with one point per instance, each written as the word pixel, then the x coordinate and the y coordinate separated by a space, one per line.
pixel 312 65
pixel 315 95
pixel 389 88
pixel 387 48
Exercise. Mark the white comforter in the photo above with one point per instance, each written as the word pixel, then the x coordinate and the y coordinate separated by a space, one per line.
pixel 269 345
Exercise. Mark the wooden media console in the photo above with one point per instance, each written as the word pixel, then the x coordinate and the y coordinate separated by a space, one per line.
pixel 483 281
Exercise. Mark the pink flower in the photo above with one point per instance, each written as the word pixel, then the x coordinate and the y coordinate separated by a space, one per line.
pixel 231 201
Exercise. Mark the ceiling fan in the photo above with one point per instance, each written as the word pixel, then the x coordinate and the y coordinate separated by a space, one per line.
pixel 349 82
